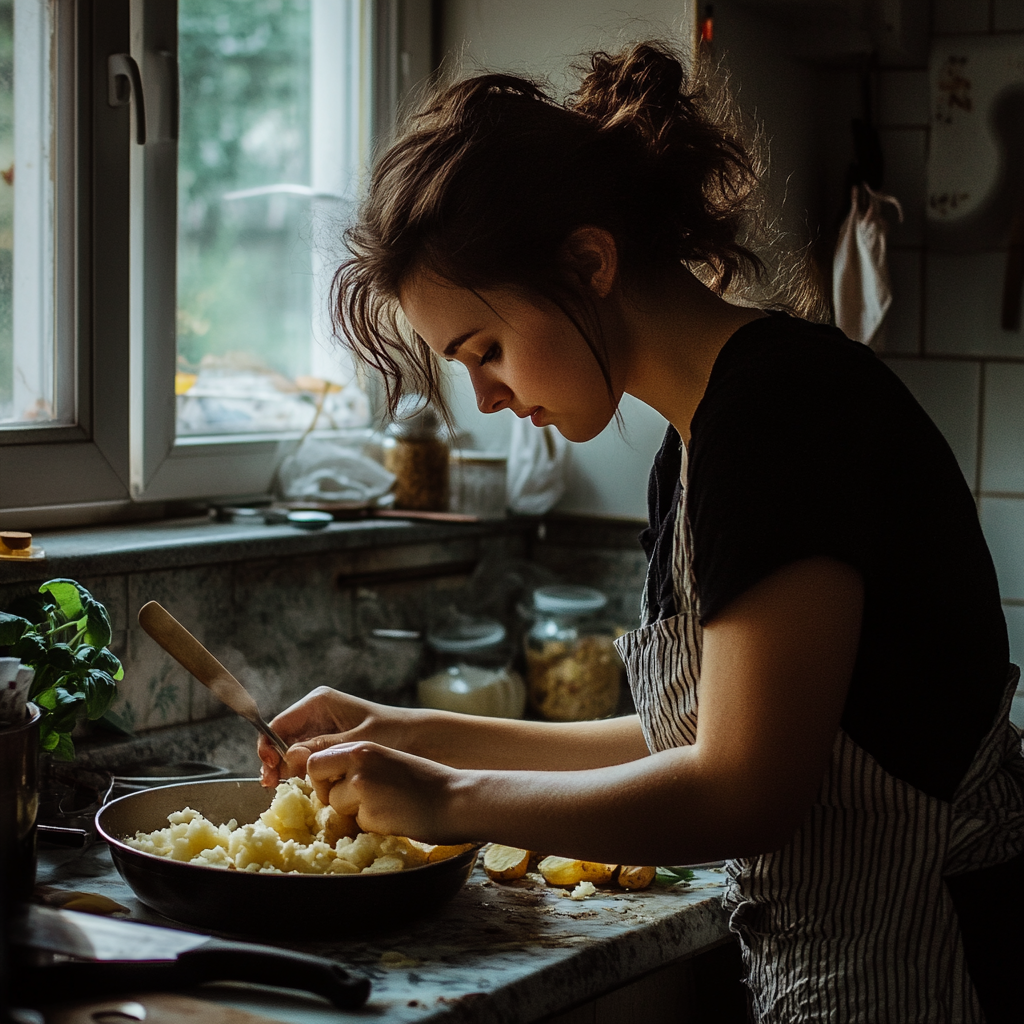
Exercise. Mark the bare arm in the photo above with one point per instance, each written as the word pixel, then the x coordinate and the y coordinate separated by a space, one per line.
pixel 326 717
pixel 775 671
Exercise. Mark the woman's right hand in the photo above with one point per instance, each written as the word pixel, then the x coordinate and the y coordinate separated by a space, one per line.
pixel 323 718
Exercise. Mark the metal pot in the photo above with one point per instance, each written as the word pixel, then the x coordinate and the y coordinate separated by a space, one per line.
pixel 19 806
pixel 265 906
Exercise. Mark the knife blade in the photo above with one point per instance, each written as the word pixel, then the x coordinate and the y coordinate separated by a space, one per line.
pixel 127 956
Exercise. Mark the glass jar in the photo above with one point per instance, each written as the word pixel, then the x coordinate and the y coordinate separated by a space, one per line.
pixel 574 672
pixel 473 676
pixel 417 453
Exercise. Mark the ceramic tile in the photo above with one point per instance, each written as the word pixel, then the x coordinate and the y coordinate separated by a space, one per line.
pixel 1002 519
pixel 1014 614
pixel 948 392
pixel 903 99
pixel 1008 15
pixel 904 150
pixel 1003 436
pixel 964 295
pixel 950 16
pixel 156 691
pixel 901 329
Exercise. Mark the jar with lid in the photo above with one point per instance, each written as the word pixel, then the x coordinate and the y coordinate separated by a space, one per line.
pixel 417 453
pixel 473 675
pixel 574 672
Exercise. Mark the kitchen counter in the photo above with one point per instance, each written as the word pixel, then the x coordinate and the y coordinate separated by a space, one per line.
pixel 512 953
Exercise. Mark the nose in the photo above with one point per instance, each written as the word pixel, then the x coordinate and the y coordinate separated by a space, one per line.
pixel 491 395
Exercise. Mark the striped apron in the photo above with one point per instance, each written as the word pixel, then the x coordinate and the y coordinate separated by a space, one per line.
pixel 851 920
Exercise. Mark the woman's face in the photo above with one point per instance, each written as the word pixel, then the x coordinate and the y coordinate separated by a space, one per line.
pixel 522 354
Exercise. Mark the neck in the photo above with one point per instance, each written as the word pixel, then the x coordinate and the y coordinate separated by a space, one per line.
pixel 673 334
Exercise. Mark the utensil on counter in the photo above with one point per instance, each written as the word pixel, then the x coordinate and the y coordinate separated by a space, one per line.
pixel 243 903
pixel 188 652
pixel 133 957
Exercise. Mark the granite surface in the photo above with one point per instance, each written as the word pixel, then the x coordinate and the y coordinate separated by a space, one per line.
pixel 496 954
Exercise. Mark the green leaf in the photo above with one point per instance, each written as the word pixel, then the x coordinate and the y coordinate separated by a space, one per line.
pixel 68 595
pixel 116 723
pixel 97 631
pixel 99 692
pixel 673 876
pixel 65 748
pixel 47 700
pixel 31 648
pixel 60 657
pixel 108 663
pixel 85 654
pixel 49 740
pixel 11 628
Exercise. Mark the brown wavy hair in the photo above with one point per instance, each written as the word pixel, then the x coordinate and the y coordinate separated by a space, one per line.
pixel 492 175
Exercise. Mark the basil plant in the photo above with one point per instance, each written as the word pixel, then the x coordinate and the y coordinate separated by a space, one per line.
pixel 63 635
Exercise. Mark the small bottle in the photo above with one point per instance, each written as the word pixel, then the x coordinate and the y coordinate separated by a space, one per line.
pixel 574 672
pixel 416 452
pixel 473 676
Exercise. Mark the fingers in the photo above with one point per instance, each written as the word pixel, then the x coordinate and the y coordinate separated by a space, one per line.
pixel 330 766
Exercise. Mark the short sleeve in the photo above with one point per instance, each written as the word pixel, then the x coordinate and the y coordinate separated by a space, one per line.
pixel 781 463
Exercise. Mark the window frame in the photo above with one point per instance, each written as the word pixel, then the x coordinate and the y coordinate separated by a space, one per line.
pixel 117 210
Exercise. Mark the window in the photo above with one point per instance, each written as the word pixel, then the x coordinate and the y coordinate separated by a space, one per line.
pixel 181 175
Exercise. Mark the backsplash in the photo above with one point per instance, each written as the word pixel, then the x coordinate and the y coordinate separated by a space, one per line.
pixel 943 334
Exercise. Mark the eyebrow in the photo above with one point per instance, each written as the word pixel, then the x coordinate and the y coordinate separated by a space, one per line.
pixel 455 344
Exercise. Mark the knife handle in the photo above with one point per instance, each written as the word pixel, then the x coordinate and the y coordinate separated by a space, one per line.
pixel 215 961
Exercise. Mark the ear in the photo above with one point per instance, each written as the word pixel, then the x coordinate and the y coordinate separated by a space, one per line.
pixel 591 257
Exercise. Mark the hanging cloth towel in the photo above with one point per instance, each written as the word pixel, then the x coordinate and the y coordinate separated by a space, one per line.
pixel 537 463
pixel 861 292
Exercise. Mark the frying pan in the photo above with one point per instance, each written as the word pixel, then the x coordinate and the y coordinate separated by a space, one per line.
pixel 253 905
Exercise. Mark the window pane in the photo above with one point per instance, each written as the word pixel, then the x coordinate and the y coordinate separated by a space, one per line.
pixel 29 362
pixel 249 299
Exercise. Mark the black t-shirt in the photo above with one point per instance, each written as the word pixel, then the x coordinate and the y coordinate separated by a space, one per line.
pixel 805 444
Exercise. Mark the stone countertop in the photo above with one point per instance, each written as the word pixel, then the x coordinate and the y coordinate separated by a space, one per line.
pixel 497 954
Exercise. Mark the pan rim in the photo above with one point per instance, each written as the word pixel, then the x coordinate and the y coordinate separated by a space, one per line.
pixel 117 843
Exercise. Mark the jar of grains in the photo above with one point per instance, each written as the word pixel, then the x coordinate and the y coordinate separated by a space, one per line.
pixel 417 453
pixel 574 672
pixel 473 675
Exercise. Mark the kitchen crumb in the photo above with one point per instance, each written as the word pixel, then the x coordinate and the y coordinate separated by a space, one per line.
pixel 583 890
pixel 394 958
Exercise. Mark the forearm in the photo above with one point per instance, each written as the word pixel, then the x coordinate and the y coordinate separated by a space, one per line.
pixel 665 809
pixel 468 741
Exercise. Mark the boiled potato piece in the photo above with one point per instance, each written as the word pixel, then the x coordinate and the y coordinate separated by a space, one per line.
pixel 436 853
pixel 505 863
pixel 599 874
pixel 631 877
pixel 561 870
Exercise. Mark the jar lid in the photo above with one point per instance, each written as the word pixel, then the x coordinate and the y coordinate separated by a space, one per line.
pixel 467 636
pixel 567 599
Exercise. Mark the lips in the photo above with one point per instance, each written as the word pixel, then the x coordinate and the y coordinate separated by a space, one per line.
pixel 537 416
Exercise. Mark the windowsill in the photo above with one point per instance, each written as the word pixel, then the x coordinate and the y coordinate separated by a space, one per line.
pixel 177 543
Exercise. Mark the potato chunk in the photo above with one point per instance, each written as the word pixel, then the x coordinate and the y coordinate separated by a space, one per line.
pixel 631 877
pixel 598 874
pixel 505 863
pixel 561 870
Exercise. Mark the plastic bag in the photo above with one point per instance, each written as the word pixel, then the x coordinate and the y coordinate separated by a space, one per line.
pixel 323 470
pixel 536 468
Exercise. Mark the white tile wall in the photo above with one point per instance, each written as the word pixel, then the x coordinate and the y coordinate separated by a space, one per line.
pixel 1002 519
pixel 960 15
pixel 1003 428
pixel 1014 614
pixel 964 295
pixel 948 392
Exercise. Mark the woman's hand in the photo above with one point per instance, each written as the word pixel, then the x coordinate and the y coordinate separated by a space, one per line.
pixel 323 718
pixel 385 790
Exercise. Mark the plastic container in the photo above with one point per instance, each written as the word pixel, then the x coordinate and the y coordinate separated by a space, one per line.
pixel 472 674
pixel 574 672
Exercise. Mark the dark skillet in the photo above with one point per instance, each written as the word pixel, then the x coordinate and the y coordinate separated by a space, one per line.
pixel 263 906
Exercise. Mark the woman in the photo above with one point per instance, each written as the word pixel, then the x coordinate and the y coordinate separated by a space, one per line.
pixel 818 577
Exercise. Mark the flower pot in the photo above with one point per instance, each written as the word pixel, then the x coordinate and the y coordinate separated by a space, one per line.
pixel 19 804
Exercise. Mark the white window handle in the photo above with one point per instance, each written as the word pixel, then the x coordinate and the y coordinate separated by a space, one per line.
pixel 123 82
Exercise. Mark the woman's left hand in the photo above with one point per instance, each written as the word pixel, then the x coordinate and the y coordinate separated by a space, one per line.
pixel 385 790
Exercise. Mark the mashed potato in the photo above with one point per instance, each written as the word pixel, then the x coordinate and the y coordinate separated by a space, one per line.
pixel 296 833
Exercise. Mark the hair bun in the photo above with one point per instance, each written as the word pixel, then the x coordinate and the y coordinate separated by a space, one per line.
pixel 642 87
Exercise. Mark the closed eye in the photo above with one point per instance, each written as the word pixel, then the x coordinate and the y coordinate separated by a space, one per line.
pixel 492 353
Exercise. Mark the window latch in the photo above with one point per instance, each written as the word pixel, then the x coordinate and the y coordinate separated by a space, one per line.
pixel 123 82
